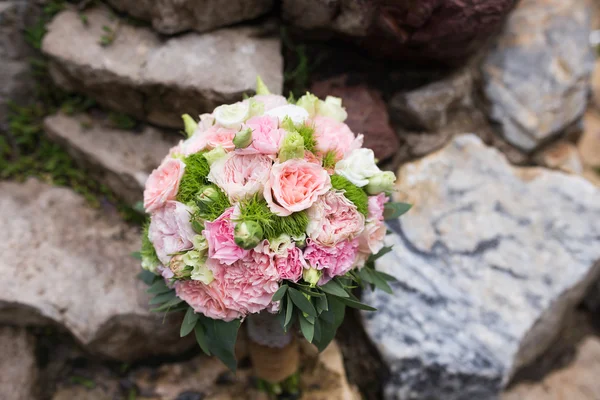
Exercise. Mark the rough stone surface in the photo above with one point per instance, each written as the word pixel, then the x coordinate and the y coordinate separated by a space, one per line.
pixel 18 364
pixel 157 79
pixel 120 159
pixel 563 156
pixel 174 16
pixel 71 265
pixel 536 78
pixel 423 30
pixel 589 143
pixel 577 381
pixel 488 261
pixel 367 113
pixel 428 107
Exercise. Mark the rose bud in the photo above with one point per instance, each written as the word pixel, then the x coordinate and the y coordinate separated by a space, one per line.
pixel 248 234
pixel 311 276
pixel 178 267
pixel 189 124
pixel 243 138
pixel 292 147
pixel 215 154
pixel 208 194
pixel 381 182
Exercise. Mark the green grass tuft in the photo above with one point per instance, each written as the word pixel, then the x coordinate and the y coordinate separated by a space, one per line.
pixel 308 134
pixel 352 192
pixel 329 159
pixel 194 178
pixel 209 211
pixel 257 210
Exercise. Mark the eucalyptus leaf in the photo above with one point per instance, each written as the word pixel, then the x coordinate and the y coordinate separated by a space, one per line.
pixel 380 282
pixel 307 329
pixel 221 337
pixel 317 335
pixel 163 298
pixel 356 304
pixel 189 322
pixel 380 254
pixel 334 288
pixel 288 313
pixel 280 293
pixel 147 277
pixel 137 255
pixel 200 334
pixel 365 275
pixel 387 277
pixel 302 302
pixel 322 303
pixel 158 287
pixel 309 292
pixel 394 210
pixel 166 306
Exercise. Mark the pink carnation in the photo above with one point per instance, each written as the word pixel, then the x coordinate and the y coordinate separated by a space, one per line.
pixel 219 235
pixel 335 136
pixel 214 136
pixel 271 101
pixel 376 207
pixel 171 231
pixel 333 261
pixel 334 218
pixel 163 183
pixel 266 136
pixel 241 176
pixel 206 299
pixel 290 264
pixel 371 240
pixel 295 185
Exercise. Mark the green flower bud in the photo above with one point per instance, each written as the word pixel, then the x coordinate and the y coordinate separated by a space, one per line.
pixel 215 154
pixel 200 244
pixel 311 276
pixel 332 107
pixel 381 182
pixel 243 138
pixel 256 108
pixel 300 240
pixel 261 88
pixel 248 234
pixel 149 264
pixel 178 267
pixel 309 102
pixel 200 271
pixel 189 124
pixel 292 147
pixel 207 194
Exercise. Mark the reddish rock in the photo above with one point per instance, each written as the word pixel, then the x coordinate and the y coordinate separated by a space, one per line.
pixel 367 114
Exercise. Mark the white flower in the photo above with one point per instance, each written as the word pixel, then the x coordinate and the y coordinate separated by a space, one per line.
pixel 232 115
pixel 381 182
pixel 309 102
pixel 297 114
pixel 332 108
pixel 358 167
pixel 200 271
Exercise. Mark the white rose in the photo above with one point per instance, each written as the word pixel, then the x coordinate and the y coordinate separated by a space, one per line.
pixel 232 115
pixel 358 167
pixel 297 114
pixel 332 108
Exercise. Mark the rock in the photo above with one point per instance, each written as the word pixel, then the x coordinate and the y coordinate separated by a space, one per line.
pixel 563 156
pixel 175 16
pixel 441 30
pixel 18 364
pixel 71 265
pixel 536 77
pixel 577 381
pixel 589 143
pixel 367 113
pixel 488 261
pixel 595 100
pixel 120 159
pixel 157 79
pixel 427 107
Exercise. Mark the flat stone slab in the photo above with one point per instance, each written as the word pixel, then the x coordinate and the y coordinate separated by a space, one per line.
pixel 68 264
pixel 488 261
pixel 156 79
pixel 18 364
pixel 120 159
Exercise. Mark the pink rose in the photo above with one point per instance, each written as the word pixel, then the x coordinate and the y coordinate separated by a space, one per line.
pixel 171 231
pixel 241 176
pixel 266 136
pixel 163 183
pixel 333 261
pixel 214 136
pixel 271 101
pixel 371 240
pixel 333 218
pixel 290 264
pixel 335 136
pixel 295 185
pixel 219 235
pixel 206 299
pixel 376 207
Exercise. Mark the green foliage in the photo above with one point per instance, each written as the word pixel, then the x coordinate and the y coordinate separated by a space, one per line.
pixel 256 209
pixel 394 210
pixel 34 34
pixel 194 178
pixel 298 67
pixel 148 253
pixel 122 120
pixel 82 381
pixel 329 159
pixel 352 192
pixel 109 35
pixel 308 134
pixel 210 210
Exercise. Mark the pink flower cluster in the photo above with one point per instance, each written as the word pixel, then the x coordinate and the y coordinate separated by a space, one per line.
pixel 204 260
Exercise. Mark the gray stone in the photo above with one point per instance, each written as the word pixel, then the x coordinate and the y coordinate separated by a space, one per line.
pixel 68 264
pixel 489 260
pixel 536 78
pixel 174 16
pixel 18 364
pixel 120 159
pixel 157 79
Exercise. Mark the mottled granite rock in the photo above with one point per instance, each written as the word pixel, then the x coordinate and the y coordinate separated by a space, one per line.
pixel 18 364
pixel 174 16
pixel 120 159
pixel 561 155
pixel 157 79
pixel 67 264
pixel 489 260
pixel 536 78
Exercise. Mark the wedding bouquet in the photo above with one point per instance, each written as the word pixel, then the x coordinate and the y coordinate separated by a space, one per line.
pixel 271 205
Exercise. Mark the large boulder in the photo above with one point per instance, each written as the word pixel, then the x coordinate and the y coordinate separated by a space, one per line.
pixel 489 260
pixel 155 79
pixel 18 364
pixel 446 31
pixel 174 16
pixel 120 159
pixel 70 265
pixel 536 78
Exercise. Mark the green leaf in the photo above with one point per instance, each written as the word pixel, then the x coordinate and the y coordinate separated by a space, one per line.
pixel 280 293
pixel 200 334
pixel 137 255
pixel 147 277
pixel 394 210
pixel 322 303
pixel 302 302
pixel 334 288
pixel 387 277
pixel 307 329
pixel 221 337
pixel 356 304
pixel 158 287
pixel 163 298
pixel 189 322
pixel 317 335
pixel 365 274
pixel 288 313
pixel 380 282
pixel 381 253
pixel 309 292
pixel 168 305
